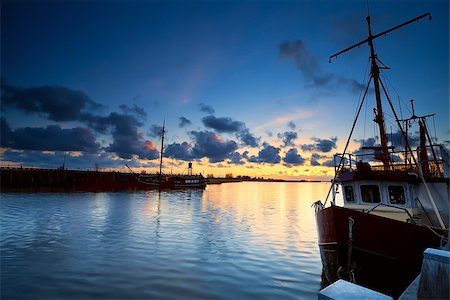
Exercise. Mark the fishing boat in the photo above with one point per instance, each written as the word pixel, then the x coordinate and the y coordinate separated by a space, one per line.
pixel 395 202
pixel 170 181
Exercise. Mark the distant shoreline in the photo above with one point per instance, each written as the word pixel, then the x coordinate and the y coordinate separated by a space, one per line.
pixel 231 180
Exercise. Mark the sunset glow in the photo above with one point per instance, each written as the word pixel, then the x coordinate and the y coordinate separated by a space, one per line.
pixel 245 88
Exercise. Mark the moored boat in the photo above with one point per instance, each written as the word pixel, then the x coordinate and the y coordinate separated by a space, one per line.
pixel 395 203
pixel 170 181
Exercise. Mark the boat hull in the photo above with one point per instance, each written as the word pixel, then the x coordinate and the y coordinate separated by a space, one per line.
pixel 373 251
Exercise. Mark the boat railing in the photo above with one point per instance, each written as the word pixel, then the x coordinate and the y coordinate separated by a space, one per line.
pixel 435 166
pixel 392 206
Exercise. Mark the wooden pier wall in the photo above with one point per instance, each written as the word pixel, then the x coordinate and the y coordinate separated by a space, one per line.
pixel 37 180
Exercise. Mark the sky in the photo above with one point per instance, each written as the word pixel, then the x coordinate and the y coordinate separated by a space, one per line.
pixel 243 87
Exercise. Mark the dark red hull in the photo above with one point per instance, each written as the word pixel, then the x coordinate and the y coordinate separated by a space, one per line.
pixel 385 255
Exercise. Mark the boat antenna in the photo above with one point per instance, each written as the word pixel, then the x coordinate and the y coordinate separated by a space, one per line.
pixel 162 146
pixel 375 73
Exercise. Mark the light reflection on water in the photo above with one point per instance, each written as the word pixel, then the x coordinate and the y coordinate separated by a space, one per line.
pixel 231 241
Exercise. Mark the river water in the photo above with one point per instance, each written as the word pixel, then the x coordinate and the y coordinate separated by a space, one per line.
pixel 249 240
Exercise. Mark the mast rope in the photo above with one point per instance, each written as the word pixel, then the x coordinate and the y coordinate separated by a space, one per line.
pixel 419 170
pixel 365 107
pixel 341 160
pixel 401 101
pixel 434 125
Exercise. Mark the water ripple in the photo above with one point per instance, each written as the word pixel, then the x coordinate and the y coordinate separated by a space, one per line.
pixel 230 241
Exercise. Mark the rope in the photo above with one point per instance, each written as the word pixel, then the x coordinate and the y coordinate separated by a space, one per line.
pixel 348 141
pixel 441 223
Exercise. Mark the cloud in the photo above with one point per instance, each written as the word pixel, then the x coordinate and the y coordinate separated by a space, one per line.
pixel 247 138
pixel 223 124
pixel 155 131
pixel 209 144
pixel 134 110
pixel 206 108
pixel 52 138
pixel 83 160
pixel 322 145
pixel 57 103
pixel 315 157
pixel 184 122
pixel 329 163
pixel 369 142
pixel 179 151
pixel 307 63
pixel 288 138
pixel 291 125
pixel 236 158
pixel 396 139
pixel 228 125
pixel 127 146
pixel 268 154
pixel 292 158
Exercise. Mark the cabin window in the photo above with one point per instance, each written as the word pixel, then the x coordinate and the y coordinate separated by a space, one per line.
pixel 396 194
pixel 349 196
pixel 370 193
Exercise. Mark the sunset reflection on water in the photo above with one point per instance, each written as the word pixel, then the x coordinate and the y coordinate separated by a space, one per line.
pixel 231 241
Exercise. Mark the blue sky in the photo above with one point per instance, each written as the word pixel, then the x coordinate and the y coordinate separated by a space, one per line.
pixel 245 87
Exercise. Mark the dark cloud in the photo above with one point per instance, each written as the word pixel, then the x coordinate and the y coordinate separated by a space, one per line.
pixel 57 103
pixel 315 157
pixel 291 125
pixel 127 137
pixel 329 163
pixel 236 158
pixel 206 144
pixel 134 110
pixel 206 108
pixel 247 138
pixel 396 139
pixel 322 145
pixel 127 146
pixel 292 158
pixel 155 131
pixel 179 151
pixel 307 63
pixel 369 142
pixel 268 154
pixel 228 125
pixel 288 138
pixel 184 122
pixel 51 138
pixel 221 125
pixel 209 144
pixel 314 162
pixel 83 160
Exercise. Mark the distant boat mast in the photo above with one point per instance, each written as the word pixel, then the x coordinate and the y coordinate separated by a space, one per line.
pixel 162 146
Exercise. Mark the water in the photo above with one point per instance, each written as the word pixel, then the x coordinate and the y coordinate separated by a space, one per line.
pixel 249 240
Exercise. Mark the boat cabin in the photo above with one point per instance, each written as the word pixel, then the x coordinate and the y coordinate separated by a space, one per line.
pixel 396 192
pixel 395 198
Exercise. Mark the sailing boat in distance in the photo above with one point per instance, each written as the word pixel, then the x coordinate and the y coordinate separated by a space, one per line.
pixel 171 181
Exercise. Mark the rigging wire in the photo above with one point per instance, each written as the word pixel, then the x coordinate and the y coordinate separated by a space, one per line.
pixel 365 104
pixel 391 86
pixel 434 125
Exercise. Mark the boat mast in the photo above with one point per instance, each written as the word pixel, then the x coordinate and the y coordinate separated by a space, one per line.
pixel 375 74
pixel 162 147
pixel 379 118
